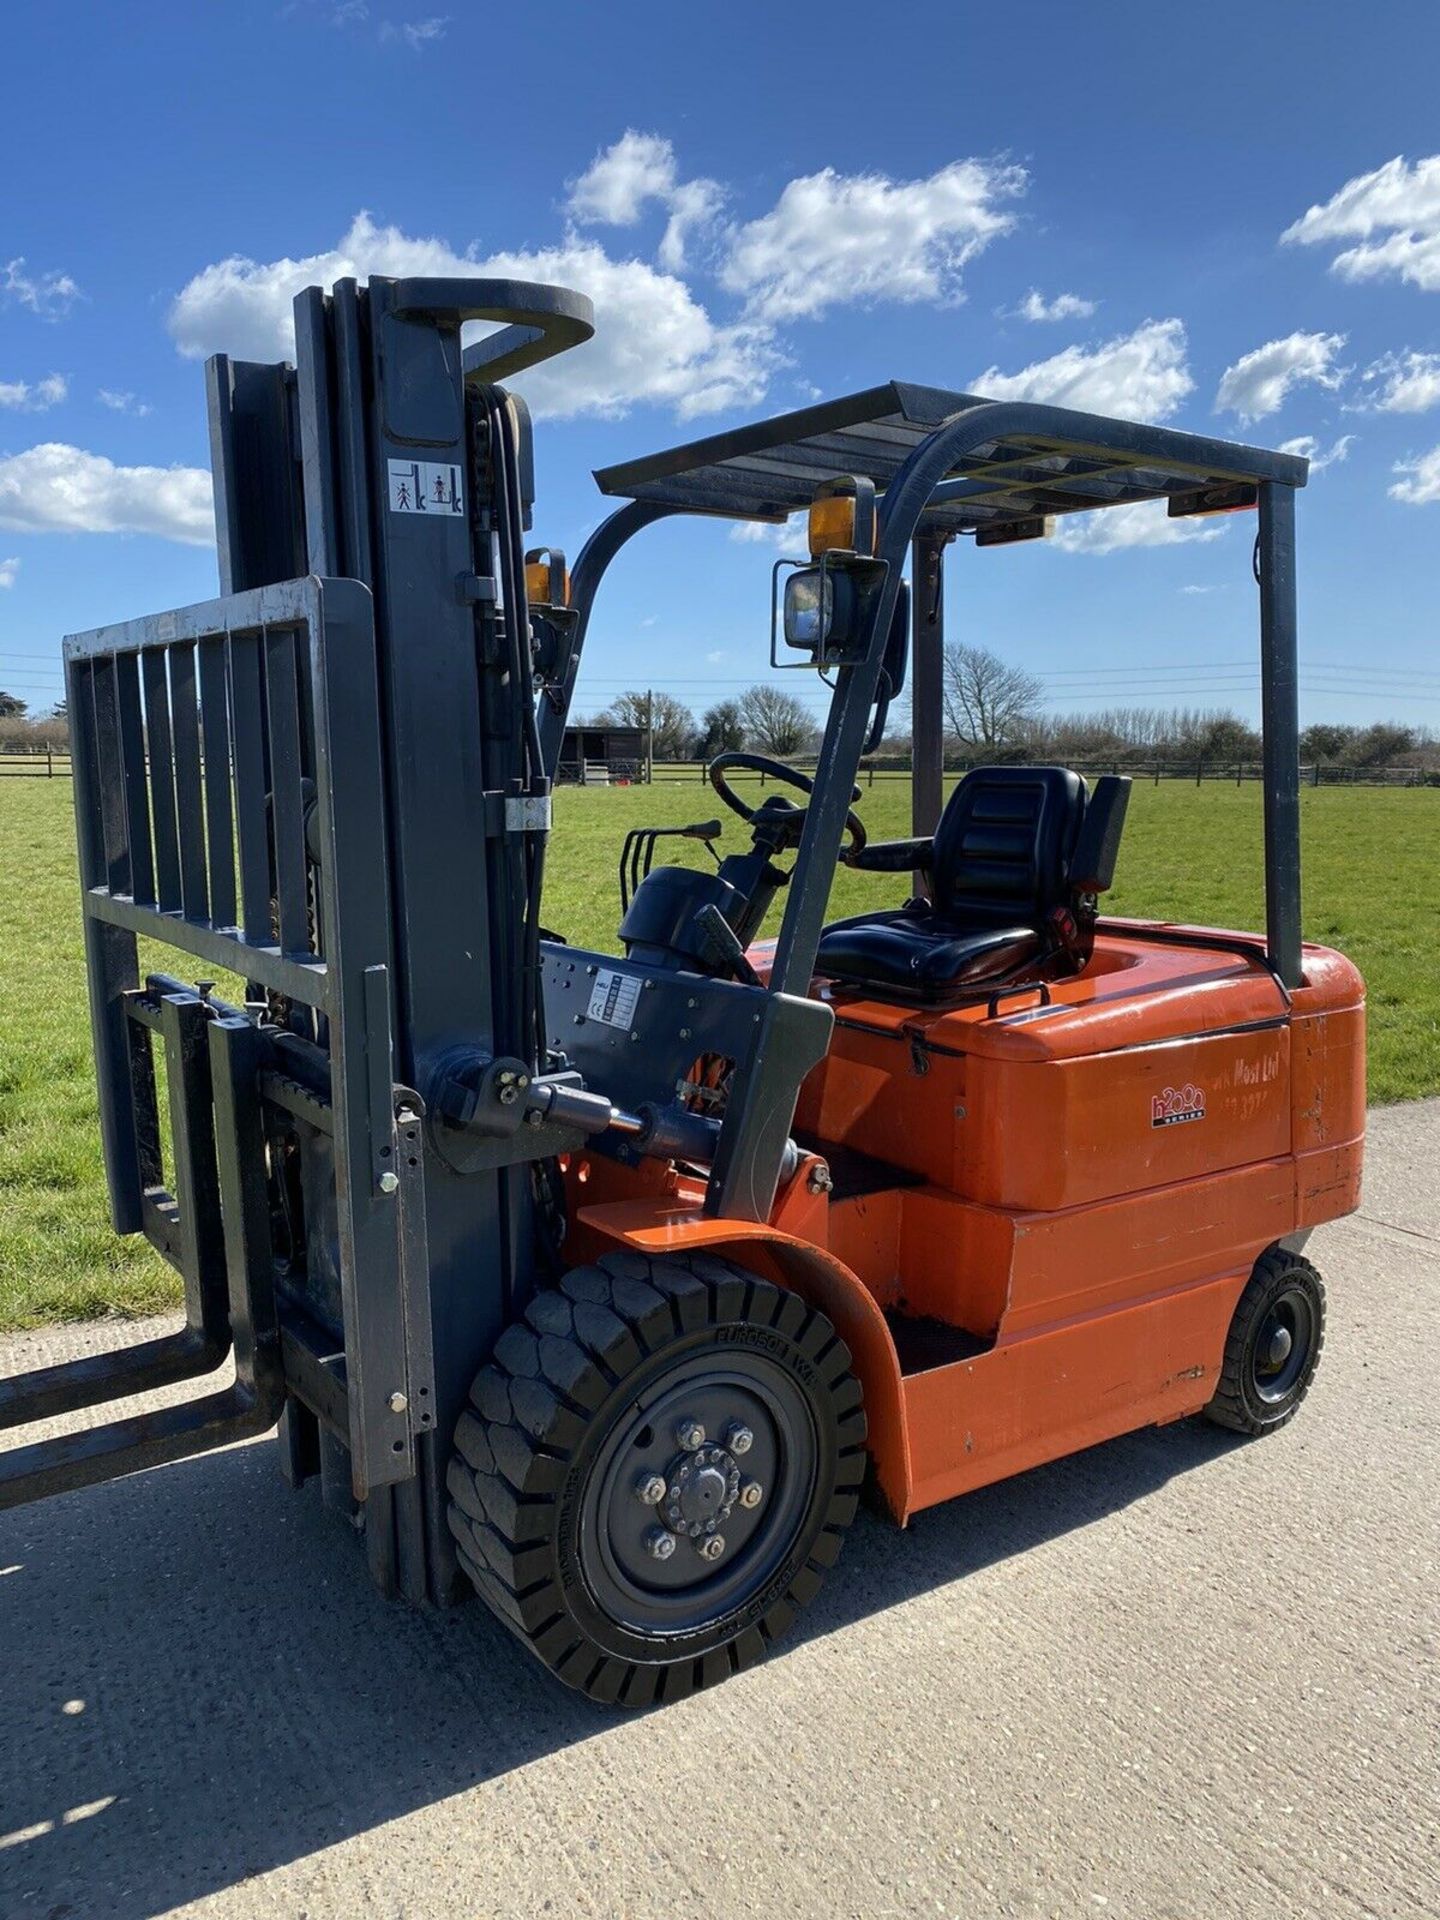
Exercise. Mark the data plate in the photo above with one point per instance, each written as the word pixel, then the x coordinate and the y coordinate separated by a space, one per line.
pixel 614 997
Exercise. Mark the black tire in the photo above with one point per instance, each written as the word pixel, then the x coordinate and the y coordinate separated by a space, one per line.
pixel 546 1506
pixel 1273 1346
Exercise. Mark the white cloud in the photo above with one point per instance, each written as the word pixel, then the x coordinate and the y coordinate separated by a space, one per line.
pixel 833 238
pixel 1195 589
pixel 715 657
pixel 1307 447
pixel 1065 306
pixel 1407 382
pixel 1256 385
pixel 788 536
pixel 623 179
pixel 694 208
pixel 26 398
pixel 415 33
pixel 1140 375
pixel 1421 486
pixel 654 341
pixel 55 488
pixel 1143 523
pixel 1394 213
pixel 51 295
pixel 9 570
pixel 123 403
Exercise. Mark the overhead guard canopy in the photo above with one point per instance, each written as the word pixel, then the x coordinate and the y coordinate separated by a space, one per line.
pixel 1080 461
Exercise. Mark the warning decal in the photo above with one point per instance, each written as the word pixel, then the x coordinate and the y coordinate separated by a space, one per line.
pixel 614 997
pixel 421 486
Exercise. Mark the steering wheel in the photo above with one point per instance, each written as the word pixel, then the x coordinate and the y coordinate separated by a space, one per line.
pixel 723 763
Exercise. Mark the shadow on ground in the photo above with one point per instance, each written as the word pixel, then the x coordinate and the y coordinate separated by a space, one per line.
pixel 198 1684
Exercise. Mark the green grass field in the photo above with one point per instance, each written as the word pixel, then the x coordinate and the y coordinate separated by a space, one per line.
pixel 1372 888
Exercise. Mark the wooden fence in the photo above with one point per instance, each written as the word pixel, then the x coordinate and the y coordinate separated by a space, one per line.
pixel 44 764
pixel 50 764
pixel 1193 771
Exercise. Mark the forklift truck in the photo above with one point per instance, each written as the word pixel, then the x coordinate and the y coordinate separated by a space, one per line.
pixel 599 1284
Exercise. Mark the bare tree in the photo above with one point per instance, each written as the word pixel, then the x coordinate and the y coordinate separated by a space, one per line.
pixel 988 703
pixel 775 721
pixel 673 721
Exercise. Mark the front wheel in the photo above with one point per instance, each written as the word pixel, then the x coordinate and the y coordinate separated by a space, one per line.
pixel 655 1472
pixel 1273 1346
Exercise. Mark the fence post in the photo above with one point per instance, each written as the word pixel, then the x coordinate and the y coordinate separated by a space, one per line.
pixel 1199 770
pixel 1239 771
pixel 49 765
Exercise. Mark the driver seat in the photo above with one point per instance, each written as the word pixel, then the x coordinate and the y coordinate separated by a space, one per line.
pixel 1003 876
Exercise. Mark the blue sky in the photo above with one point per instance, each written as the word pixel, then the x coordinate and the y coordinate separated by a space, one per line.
pixel 1226 217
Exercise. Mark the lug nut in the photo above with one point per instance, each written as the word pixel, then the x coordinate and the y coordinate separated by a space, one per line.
pixel 739 1439
pixel 691 1435
pixel 711 1547
pixel 650 1489
pixel 659 1544
pixel 751 1494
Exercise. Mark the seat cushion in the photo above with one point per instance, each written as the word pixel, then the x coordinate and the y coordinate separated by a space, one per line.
pixel 998 870
pixel 906 949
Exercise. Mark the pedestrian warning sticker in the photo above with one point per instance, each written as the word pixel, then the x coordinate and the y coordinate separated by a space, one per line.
pixel 420 486
pixel 613 998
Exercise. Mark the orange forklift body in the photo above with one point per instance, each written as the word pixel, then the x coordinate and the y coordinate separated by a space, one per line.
pixel 1052 1208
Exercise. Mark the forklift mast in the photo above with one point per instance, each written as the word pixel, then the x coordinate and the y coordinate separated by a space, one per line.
pixel 328 785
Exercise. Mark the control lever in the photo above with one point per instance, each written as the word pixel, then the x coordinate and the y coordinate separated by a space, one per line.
pixel 722 944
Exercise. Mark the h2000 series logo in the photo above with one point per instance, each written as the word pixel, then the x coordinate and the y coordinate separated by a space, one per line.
pixel 1177 1104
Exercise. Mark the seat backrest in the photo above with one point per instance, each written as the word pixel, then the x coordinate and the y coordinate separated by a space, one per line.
pixel 1003 846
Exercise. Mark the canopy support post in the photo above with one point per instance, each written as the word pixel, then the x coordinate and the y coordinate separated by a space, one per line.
pixel 1280 715
pixel 927 684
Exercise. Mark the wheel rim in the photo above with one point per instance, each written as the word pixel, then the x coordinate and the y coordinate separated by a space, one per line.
pixel 1283 1344
pixel 710 1493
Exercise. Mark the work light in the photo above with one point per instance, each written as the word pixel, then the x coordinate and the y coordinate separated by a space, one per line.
pixel 810 607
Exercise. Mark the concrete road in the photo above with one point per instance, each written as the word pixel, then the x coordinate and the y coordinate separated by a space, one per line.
pixel 1181 1676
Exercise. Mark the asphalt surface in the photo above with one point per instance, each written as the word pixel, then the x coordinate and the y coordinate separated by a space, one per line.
pixel 1179 1676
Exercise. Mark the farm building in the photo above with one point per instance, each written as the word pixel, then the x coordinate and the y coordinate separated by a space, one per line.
pixel 600 754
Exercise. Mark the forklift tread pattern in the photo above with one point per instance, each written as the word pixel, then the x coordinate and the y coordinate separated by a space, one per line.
pixel 513 1477
pixel 1237 1403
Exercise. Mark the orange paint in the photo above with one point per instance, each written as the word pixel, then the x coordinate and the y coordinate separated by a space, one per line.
pixel 1081 1191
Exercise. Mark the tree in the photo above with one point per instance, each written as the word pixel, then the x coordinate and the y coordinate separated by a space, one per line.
pixel 12 707
pixel 674 723
pixel 722 730
pixel 988 703
pixel 1325 740
pixel 777 722
pixel 1216 734
pixel 1377 746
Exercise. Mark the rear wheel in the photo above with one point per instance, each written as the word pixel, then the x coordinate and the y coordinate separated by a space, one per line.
pixel 1273 1347
pixel 655 1472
